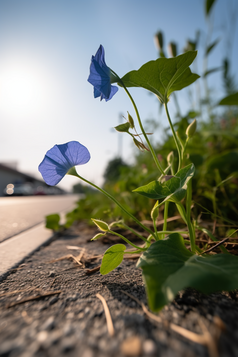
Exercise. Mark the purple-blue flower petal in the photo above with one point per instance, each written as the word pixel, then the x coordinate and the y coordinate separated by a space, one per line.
pixel 59 159
pixel 99 76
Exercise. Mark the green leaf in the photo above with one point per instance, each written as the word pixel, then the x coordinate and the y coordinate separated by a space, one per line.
pixel 212 45
pixel 103 226
pixel 123 127
pixel 99 235
pixel 169 267
pixel 231 99
pixel 173 190
pixel 208 6
pixel 163 76
pixel 211 71
pixel 225 162
pixel 112 258
pixel 52 222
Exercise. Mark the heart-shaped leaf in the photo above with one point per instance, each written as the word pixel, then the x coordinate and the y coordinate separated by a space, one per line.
pixel 169 267
pixel 231 99
pixel 52 221
pixel 112 258
pixel 173 190
pixel 164 75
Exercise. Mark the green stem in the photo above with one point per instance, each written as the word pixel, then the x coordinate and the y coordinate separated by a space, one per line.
pixel 155 229
pixel 189 198
pixel 133 231
pixel 140 124
pixel 166 208
pixel 170 232
pixel 73 172
pixel 189 224
pixel 127 240
pixel 188 208
pixel 174 136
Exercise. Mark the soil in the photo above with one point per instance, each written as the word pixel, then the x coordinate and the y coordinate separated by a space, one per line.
pixel 50 308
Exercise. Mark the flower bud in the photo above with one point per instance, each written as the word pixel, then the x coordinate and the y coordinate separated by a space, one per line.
pixel 155 211
pixel 170 158
pixel 131 121
pixel 140 145
pixel 191 129
pixel 99 235
pixel 123 128
pixel 116 224
pixel 103 226
pixel 172 49
pixel 159 40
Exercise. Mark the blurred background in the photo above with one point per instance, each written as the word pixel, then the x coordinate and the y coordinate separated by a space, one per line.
pixel 45 99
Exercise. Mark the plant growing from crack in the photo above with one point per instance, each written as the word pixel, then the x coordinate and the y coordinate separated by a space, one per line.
pixel 167 264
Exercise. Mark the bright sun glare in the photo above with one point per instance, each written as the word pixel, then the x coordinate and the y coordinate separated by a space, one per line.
pixel 23 89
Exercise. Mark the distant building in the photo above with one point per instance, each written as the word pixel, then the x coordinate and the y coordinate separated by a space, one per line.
pixel 10 176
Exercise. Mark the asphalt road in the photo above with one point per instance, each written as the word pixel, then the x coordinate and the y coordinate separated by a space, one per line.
pixel 18 214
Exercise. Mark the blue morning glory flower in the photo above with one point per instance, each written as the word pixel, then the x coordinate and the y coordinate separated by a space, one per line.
pixel 99 76
pixel 59 159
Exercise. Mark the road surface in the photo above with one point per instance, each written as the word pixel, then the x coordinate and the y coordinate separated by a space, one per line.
pixel 17 214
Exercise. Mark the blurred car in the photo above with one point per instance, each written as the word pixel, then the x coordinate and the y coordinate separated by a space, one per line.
pixel 18 189
pixel 40 191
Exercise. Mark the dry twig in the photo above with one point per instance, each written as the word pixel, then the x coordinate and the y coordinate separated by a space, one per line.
pixel 30 298
pixel 68 256
pixel 107 313
pixel 206 339
pixel 18 291
pixel 91 271
pixel 146 311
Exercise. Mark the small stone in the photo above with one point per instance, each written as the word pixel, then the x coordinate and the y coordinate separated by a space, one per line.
pixel 87 310
pixel 51 274
pixel 149 348
pixel 88 353
pixel 42 336
pixel 9 347
pixel 55 336
pixel 53 300
pixel 68 330
pixel 68 345
pixel 49 324
pixel 70 315
pixel 131 346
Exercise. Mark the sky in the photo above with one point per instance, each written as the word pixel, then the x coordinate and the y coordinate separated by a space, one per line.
pixel 45 53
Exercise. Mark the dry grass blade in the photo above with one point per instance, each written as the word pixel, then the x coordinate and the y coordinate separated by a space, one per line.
pixel 189 334
pixel 79 257
pixel 30 298
pixel 216 245
pixel 211 343
pixel 159 223
pixel 68 256
pixel 132 256
pixel 17 291
pixel 107 313
pixel 146 311
pixel 206 339
pixel 74 247
pixel 94 270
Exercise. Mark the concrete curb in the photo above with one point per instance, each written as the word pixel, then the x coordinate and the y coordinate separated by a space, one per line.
pixel 15 249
